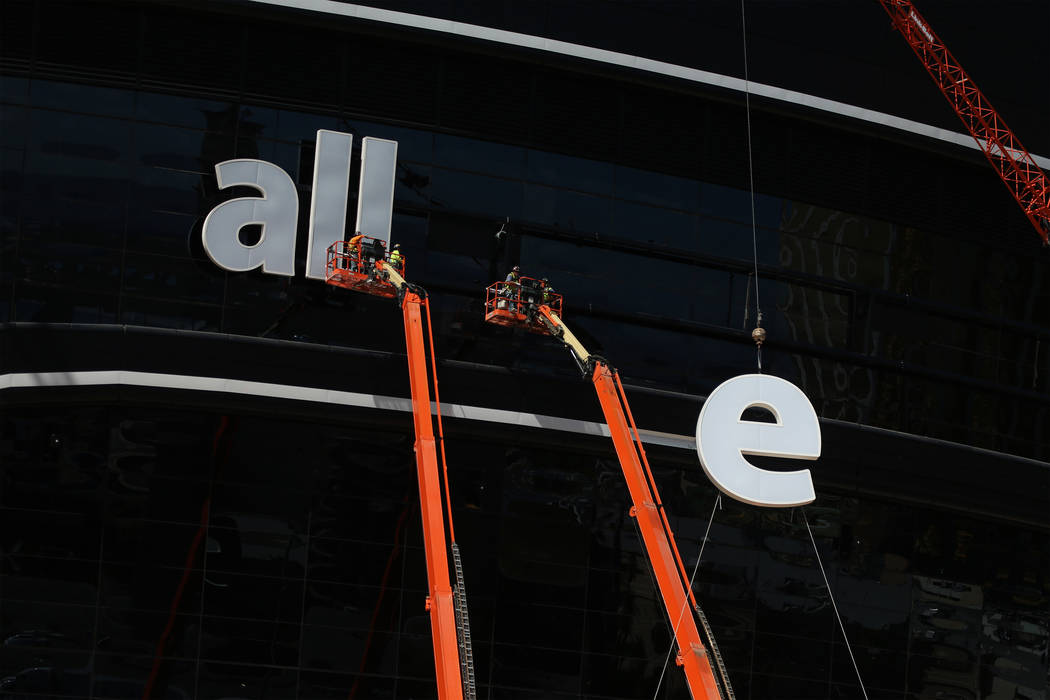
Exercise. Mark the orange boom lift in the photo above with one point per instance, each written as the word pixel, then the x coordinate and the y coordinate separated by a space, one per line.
pixel 524 304
pixel 366 268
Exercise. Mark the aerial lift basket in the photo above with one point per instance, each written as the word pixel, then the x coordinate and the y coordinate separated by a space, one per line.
pixel 513 304
pixel 353 267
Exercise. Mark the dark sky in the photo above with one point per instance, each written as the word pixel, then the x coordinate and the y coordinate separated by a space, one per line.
pixel 843 50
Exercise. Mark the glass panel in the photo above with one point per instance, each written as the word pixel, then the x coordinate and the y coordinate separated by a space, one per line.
pixel 479 156
pixel 171 147
pixel 257 122
pixel 84 142
pixel 166 314
pixel 478 194
pixel 628 283
pixel 14 90
pixel 178 110
pixel 91 98
pixel 46 304
pixel 296 127
pixel 728 239
pixel 413 145
pixel 172 190
pixel 49 220
pixel 658 189
pixel 735 205
pixel 572 173
pixel 171 278
pixel 651 226
pixel 166 233
pixel 573 211
pixel 14 127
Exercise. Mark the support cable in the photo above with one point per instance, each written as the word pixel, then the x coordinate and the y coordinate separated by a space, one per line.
pixel 759 334
pixel 834 606
pixel 699 556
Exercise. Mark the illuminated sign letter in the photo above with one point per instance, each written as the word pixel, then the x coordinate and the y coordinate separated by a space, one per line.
pixel 375 196
pixel 722 440
pixel 328 201
pixel 277 211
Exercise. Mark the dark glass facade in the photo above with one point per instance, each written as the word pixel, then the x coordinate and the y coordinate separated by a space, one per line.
pixel 200 546
pixel 846 52
pixel 307 578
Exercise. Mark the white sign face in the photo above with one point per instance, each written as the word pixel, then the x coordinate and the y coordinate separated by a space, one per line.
pixel 277 209
pixel 723 438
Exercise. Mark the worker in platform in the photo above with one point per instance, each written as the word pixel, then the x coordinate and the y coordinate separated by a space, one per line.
pixel 375 250
pixel 512 285
pixel 547 290
pixel 354 250
pixel 531 291
pixel 396 259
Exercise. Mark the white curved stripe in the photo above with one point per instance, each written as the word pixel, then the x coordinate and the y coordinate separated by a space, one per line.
pixel 564 48
pixel 29 380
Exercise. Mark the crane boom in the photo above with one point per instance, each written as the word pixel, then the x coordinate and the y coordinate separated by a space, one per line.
pixel 1026 181
pixel 529 304
pixel 440 601
pixel 453 659
pixel 653 526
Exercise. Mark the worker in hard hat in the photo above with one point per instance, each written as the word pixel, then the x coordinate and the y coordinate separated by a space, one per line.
pixel 376 251
pixel 512 285
pixel 531 290
pixel 354 249
pixel 396 259
pixel 547 289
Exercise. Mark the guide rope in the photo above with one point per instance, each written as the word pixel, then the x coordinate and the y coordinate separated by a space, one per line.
pixel 759 334
pixel 834 606
pixel 696 568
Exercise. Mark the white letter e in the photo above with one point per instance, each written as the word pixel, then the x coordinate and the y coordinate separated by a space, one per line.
pixel 722 440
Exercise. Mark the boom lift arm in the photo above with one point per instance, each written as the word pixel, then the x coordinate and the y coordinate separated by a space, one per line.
pixel 450 628
pixel 1026 181
pixel 513 304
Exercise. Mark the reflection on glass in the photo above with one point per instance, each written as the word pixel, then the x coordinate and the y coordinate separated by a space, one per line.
pixel 574 173
pixel 319 572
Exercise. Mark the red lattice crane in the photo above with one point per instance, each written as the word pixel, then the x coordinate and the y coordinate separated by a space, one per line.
pixel 1026 181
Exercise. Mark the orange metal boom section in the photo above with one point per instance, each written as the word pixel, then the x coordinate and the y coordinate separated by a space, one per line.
pixel 656 532
pixel 352 268
pixel 692 655
pixel 1027 183
pixel 440 603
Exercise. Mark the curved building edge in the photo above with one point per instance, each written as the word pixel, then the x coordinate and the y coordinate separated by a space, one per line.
pixel 622 60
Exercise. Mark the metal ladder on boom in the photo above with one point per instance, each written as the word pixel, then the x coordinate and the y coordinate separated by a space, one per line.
pixel 526 304
pixel 367 268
